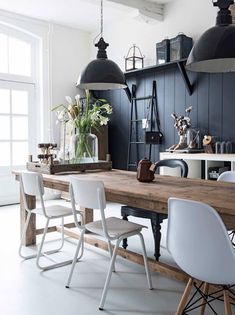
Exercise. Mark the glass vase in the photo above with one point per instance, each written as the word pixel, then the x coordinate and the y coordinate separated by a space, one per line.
pixel 84 148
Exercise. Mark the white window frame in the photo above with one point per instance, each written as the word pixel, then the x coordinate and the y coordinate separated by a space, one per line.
pixel 32 84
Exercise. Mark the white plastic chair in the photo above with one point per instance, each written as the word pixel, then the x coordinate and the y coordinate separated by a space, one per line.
pixel 228 176
pixel 199 243
pixel 32 184
pixel 91 194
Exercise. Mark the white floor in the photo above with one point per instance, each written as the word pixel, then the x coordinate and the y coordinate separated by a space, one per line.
pixel 24 290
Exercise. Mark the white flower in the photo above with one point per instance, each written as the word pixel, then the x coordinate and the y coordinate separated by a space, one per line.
pixel 95 116
pixel 77 98
pixel 108 108
pixel 69 99
pixel 103 120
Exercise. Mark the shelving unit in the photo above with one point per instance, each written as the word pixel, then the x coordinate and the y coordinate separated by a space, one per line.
pixel 198 162
pixel 178 63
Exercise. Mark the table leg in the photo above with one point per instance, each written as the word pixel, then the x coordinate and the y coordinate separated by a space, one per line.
pixel 87 215
pixel 124 241
pixel 30 236
pixel 156 221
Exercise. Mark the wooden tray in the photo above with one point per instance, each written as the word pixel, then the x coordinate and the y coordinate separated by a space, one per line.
pixel 65 168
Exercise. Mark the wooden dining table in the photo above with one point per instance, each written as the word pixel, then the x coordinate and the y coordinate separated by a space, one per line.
pixel 123 187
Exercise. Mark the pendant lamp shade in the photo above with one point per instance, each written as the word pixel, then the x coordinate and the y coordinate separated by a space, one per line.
pixel 215 49
pixel 102 73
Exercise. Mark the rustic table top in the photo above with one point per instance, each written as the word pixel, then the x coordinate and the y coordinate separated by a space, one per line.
pixel 122 186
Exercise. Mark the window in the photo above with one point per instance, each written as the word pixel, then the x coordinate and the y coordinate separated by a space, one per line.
pixel 19 122
pixel 15 56
pixel 16 127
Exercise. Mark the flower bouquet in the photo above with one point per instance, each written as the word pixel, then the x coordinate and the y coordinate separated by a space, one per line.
pixel 84 114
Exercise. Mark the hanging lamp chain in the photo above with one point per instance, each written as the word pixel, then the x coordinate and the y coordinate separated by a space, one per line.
pixel 101 18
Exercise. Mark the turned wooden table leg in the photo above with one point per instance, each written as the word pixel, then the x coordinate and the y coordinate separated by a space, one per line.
pixel 30 237
pixel 87 215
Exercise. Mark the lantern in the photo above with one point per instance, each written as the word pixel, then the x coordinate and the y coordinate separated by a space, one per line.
pixel 134 59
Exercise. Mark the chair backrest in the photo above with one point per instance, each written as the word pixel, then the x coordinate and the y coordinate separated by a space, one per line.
pixel 89 193
pixel 228 176
pixel 172 163
pixel 32 184
pixel 199 242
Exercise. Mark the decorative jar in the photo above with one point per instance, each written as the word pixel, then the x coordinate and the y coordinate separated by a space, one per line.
pixel 84 148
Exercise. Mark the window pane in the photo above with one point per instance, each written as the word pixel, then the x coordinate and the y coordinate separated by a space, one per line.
pixel 19 102
pixel 3 54
pixel 19 153
pixel 5 154
pixel 4 128
pixel 4 101
pixel 19 57
pixel 19 128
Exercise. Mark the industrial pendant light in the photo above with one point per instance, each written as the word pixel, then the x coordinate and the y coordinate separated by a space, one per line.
pixel 102 73
pixel 215 49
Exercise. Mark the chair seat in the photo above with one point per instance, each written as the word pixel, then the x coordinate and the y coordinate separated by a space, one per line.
pixel 115 226
pixel 55 211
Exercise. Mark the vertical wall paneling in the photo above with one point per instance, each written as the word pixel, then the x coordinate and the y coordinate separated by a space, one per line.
pixel 192 100
pixel 180 98
pixel 213 102
pixel 169 100
pixel 228 121
pixel 160 80
pixel 203 102
pixel 215 106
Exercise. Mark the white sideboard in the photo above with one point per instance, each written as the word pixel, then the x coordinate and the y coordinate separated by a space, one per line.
pixel 195 161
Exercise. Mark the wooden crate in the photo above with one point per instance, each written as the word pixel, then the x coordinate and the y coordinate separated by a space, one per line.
pixel 68 168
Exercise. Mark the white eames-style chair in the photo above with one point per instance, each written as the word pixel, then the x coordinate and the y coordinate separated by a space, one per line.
pixel 91 194
pixel 228 176
pixel 199 243
pixel 32 184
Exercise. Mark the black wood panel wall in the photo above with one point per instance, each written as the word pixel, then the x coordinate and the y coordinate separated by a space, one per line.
pixel 213 102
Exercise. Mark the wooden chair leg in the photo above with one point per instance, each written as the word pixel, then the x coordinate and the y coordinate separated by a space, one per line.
pixel 205 291
pixel 184 298
pixel 227 305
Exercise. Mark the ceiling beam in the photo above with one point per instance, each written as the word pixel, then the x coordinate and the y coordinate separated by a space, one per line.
pixel 147 8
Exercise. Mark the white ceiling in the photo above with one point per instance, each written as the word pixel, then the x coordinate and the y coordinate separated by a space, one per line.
pixel 83 14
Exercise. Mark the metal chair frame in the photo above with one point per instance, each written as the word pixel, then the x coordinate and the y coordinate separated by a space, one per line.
pixel 90 194
pixel 38 190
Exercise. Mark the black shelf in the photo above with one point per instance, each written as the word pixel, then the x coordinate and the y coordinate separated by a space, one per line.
pixel 178 63
pixel 156 67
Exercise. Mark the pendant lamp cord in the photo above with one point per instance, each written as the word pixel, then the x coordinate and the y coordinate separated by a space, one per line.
pixel 101 18
pixel 101 22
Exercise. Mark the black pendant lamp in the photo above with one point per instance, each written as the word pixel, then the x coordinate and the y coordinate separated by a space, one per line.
pixel 215 49
pixel 102 73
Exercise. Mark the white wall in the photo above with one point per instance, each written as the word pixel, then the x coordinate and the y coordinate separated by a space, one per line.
pixel 70 52
pixel 191 17
pixel 65 51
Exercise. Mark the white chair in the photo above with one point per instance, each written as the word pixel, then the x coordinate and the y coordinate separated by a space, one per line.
pixel 228 176
pixel 199 243
pixel 91 194
pixel 32 184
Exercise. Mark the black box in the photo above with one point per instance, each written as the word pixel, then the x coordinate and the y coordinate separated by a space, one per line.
pixel 163 51
pixel 180 47
pixel 153 137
